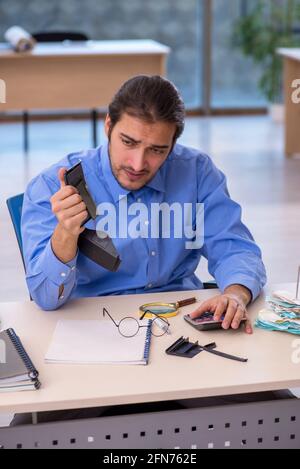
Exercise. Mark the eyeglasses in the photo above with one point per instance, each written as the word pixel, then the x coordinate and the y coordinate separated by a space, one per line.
pixel 129 326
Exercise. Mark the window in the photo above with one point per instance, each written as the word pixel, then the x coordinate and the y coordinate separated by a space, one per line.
pixel 234 77
pixel 175 23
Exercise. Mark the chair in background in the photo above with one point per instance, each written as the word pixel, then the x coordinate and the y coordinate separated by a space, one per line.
pixel 15 205
pixel 59 36
pixel 56 36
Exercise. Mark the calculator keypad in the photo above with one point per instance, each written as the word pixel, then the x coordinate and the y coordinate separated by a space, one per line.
pixel 206 317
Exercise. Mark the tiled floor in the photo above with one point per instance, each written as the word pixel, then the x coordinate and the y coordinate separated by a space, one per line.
pixel 248 149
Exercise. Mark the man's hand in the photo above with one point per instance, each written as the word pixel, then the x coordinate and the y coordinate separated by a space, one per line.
pixel 232 303
pixel 70 211
pixel 68 206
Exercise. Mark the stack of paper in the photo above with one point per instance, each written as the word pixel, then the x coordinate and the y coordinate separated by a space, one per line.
pixel 282 314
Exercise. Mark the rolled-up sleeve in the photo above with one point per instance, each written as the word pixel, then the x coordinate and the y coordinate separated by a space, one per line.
pixel 45 273
pixel 232 254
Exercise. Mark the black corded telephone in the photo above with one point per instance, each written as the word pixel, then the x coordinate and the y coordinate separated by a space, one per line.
pixel 100 250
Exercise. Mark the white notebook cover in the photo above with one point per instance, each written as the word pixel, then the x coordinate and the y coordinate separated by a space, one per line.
pixel 97 341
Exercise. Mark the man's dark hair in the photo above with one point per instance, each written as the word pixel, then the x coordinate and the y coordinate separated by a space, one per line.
pixel 150 98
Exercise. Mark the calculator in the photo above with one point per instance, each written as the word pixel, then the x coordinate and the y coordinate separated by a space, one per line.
pixel 206 322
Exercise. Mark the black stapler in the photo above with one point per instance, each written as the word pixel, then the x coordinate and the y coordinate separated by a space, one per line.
pixel 100 250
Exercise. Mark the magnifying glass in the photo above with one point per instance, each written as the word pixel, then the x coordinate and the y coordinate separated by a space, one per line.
pixel 166 310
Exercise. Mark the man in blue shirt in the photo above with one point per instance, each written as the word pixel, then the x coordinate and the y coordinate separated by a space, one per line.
pixel 144 166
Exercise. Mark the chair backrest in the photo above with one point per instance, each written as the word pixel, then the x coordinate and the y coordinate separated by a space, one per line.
pixel 58 36
pixel 14 205
pixel 210 285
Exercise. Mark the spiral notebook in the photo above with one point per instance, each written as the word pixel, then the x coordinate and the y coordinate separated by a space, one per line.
pixel 81 341
pixel 17 372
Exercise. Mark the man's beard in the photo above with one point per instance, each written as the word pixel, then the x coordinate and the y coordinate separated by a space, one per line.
pixel 122 169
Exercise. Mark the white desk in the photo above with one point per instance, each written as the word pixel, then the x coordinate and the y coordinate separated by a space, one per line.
pixel 165 378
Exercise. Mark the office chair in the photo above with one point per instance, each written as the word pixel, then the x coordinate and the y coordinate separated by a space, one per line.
pixel 14 205
pixel 210 285
pixel 58 36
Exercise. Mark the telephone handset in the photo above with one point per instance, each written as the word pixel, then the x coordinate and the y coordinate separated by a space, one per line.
pixel 100 250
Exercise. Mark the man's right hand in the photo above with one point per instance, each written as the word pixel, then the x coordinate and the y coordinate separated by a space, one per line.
pixel 68 206
pixel 70 211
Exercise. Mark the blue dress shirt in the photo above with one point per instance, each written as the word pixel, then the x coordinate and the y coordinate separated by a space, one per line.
pixel 148 264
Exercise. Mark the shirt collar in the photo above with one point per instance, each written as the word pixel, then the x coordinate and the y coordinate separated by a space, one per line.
pixel 157 182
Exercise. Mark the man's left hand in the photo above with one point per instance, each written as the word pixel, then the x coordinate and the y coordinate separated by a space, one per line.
pixel 232 303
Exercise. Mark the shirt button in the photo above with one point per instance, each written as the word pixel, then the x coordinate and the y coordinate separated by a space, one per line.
pixel 61 297
pixel 146 222
pixel 139 200
pixel 63 274
pixel 153 253
pixel 73 268
pixel 149 285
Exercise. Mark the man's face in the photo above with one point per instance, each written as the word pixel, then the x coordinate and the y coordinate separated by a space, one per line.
pixel 138 149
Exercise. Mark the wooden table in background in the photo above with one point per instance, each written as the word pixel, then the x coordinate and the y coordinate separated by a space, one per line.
pixel 72 76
